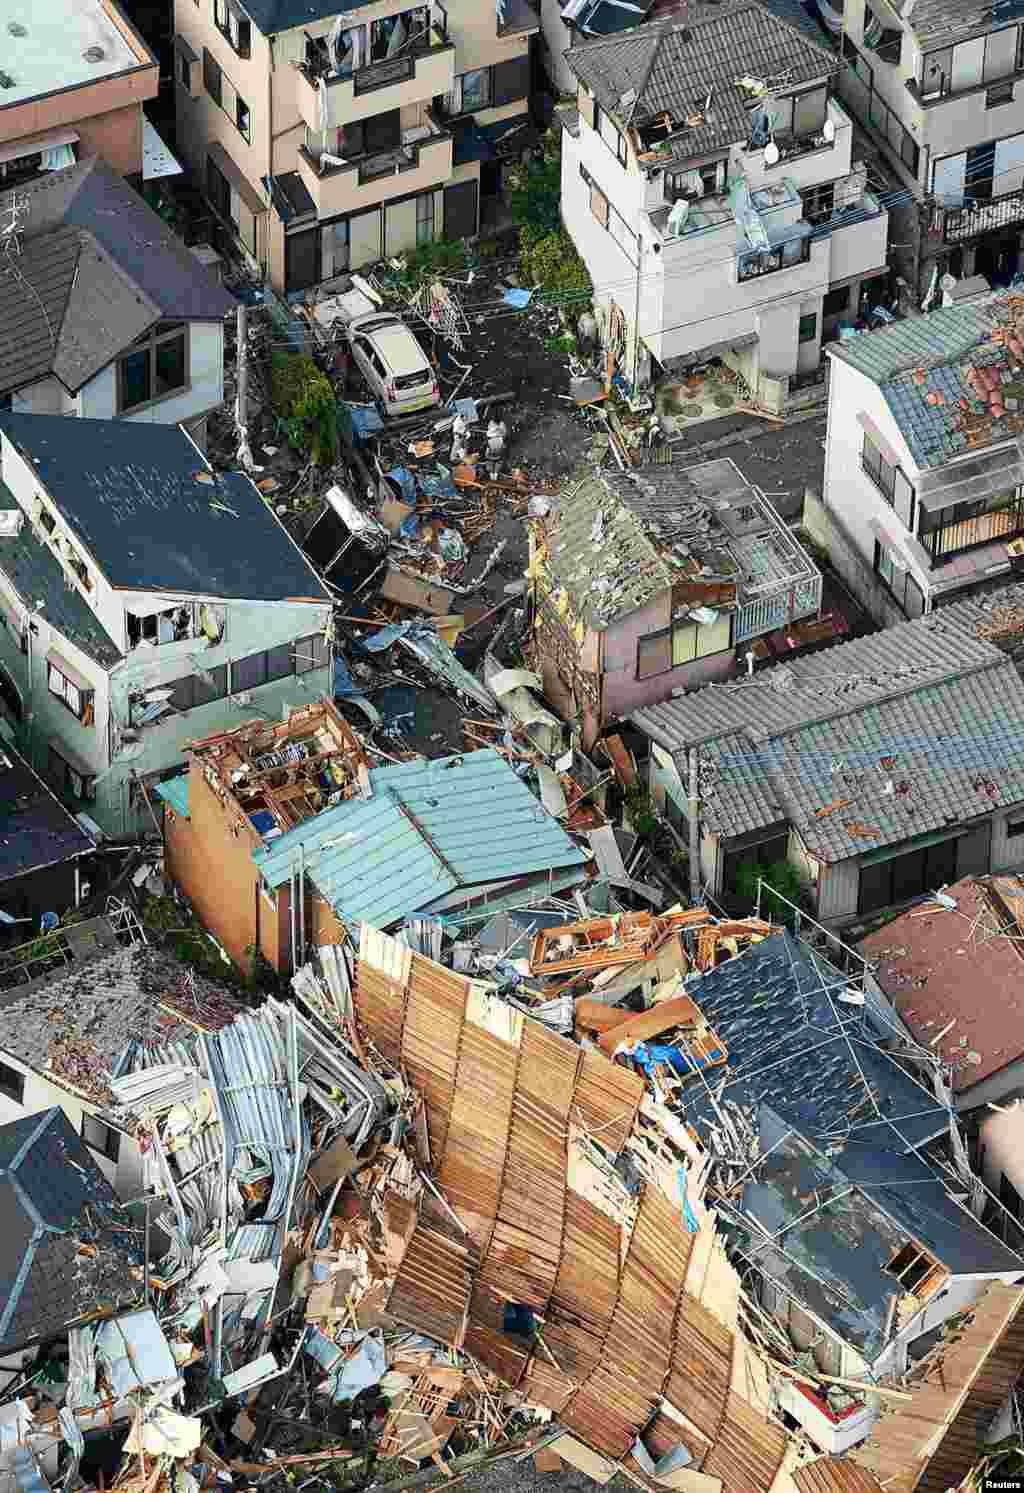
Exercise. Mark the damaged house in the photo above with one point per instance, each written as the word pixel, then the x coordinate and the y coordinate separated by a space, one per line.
pixel 283 835
pixel 709 184
pixel 646 585
pixel 880 769
pixel 44 851
pixel 147 601
pixel 850 1239
pixel 923 470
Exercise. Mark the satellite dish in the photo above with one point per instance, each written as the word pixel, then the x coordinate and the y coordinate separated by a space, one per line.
pixel 828 129
pixel 771 154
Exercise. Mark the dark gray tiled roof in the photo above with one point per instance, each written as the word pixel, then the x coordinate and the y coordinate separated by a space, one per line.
pixel 53 1198
pixel 272 16
pixel 808 1074
pixel 130 491
pixel 675 65
pixel 867 744
pixel 101 267
pixel 36 830
pixel 33 571
pixel 77 1024
pixel 938 22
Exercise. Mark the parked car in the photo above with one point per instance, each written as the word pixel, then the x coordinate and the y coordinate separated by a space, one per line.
pixel 393 364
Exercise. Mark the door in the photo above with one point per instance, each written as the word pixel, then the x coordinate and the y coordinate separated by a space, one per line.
pixel 460 211
pixel 301 259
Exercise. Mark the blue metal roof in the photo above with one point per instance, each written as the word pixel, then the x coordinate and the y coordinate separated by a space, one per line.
pixel 430 828
pixel 175 794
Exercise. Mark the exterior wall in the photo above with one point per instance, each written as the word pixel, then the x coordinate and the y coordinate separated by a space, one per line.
pixel 124 1174
pixel 827 530
pixel 340 192
pixel 98 399
pixel 107 114
pixel 201 122
pixel 209 856
pixel 473 27
pixel 47 397
pixel 838 888
pixel 1007 851
pixel 889 79
pixel 622 691
pixel 858 247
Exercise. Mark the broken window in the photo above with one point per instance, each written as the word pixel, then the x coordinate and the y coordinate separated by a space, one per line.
pixel 312 653
pixel 918 1272
pixel 102 1138
pixel 72 692
pixel 172 624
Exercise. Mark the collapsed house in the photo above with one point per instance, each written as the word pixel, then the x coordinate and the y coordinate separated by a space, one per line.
pixel 284 834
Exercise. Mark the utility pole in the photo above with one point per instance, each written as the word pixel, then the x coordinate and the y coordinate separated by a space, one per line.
pixel 242 390
pixel 693 822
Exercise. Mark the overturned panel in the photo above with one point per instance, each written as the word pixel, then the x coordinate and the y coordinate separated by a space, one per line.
pixel 698 1381
pixel 430 1042
pixel 433 1284
pixel 607 1099
pixel 481 1114
pixel 749 1449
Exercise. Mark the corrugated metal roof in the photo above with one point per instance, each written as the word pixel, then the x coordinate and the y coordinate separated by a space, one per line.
pixel 430 828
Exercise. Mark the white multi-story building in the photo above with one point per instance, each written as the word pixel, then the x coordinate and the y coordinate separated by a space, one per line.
pixel 711 189
pixel 937 85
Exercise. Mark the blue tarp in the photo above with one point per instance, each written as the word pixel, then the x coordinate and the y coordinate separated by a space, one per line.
pixel 520 299
pixel 406 481
pixel 365 421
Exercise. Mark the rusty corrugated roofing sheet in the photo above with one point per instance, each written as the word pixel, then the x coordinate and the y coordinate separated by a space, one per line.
pixel 828 1476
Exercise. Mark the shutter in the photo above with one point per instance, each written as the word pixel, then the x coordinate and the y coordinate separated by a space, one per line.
pixel 364 238
pixel 460 210
pixel 400 226
pixel 511 80
pixel 300 258
pixel 1000 54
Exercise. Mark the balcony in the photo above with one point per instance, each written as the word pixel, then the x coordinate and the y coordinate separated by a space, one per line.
pixel 424 69
pixel 978 217
pixel 967 526
pixel 517 18
pixel 752 264
pixel 423 159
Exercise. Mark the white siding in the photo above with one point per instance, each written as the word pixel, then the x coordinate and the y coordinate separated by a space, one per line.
pixel 124 1175
pixel 98 399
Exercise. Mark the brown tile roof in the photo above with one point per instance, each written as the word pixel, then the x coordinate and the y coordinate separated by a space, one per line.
pixel 953 970
pixel 827 1476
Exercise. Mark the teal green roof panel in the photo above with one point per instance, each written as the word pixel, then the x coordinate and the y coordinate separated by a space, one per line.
pixel 429 828
pixel 918 342
pixel 174 793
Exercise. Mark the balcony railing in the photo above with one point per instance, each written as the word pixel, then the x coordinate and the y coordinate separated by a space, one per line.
pixel 969 529
pixel 977 217
pixel 378 164
pixel 769 612
pixel 385 73
pixel 785 256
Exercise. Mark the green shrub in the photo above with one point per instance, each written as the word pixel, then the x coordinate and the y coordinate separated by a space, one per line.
pixel 550 260
pixel 642 815
pixel 303 398
pixel 780 877
pixel 443 258
pixel 536 197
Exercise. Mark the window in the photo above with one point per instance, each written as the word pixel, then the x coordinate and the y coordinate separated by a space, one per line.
pixel 780 257
pixel 102 1138
pixel 836 301
pixel 243 118
pixel 196 690
pixel 77 698
pixel 610 134
pixel 311 653
pixel 1014 829
pixel 12 1084
pixel 892 569
pixel 218 190
pixel 425 218
pixel 475 90
pixel 156 367
pixel 681 644
pixel 334 249
pixel 916 1269
pixel 248 673
pixel 881 471
pixel 68 779
pixel 1000 93
pixel 184 69
pixel 903 498
pixel 699 181
pixel 213 78
pixel 807 330
pixel 819 202
pixel 233 26
pixel 801 114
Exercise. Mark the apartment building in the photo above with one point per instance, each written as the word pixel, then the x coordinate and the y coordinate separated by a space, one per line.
pixel 328 134
pixel 144 601
pixel 718 207
pixel 75 75
pixel 940 88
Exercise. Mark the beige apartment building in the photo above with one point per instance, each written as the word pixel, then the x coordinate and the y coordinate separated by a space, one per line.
pixel 73 79
pixel 326 134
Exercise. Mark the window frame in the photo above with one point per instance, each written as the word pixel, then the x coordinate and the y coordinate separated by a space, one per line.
pixel 241 107
pixel 213 73
pixel 111 1146
pixel 15 1091
pixel 618 150
pixel 86 697
pixel 150 342
pixel 424 219
pixel 812 335
pixel 673 634
pixel 305 649
pixel 899 582
pixel 879 477
pixel 67 777
pixel 240 48
pixel 1003 86
pixel 482 72
pixel 1014 828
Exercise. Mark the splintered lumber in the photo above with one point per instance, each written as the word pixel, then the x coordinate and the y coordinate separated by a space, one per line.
pixel 709 1050
pixel 599 943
